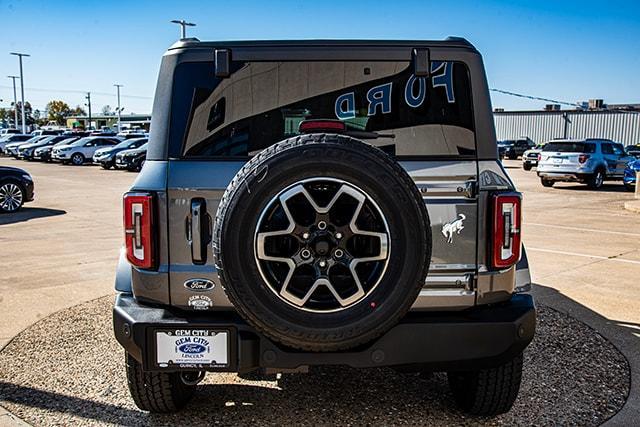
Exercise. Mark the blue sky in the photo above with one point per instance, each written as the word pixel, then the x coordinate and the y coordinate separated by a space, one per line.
pixel 565 50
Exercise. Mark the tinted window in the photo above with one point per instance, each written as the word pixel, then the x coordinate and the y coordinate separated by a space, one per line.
pixel 607 148
pixel 262 103
pixel 136 143
pixel 570 147
pixel 618 149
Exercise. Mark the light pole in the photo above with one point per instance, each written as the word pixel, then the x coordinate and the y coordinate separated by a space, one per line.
pixel 15 102
pixel 118 86
pixel 20 55
pixel 183 24
pixel 88 104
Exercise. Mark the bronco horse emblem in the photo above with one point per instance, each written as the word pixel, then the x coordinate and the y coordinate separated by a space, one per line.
pixel 454 226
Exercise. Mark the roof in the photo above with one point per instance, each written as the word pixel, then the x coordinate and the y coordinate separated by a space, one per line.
pixel 455 42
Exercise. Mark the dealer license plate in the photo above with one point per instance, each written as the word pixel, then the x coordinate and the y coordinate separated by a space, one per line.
pixel 192 348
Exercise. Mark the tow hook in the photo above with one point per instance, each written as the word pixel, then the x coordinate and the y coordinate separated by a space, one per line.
pixel 192 378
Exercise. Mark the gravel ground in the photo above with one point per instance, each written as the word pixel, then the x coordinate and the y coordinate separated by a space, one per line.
pixel 68 369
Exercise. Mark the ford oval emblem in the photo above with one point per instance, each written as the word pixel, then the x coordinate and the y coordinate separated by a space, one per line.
pixel 199 285
pixel 192 348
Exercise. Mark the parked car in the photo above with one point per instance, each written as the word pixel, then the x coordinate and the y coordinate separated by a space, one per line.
pixel 12 138
pixel 589 161
pixel 106 157
pixel 633 150
pixel 75 133
pixel 26 151
pixel 84 148
pixel 512 149
pixel 12 148
pixel 131 160
pixel 630 175
pixel 16 188
pixel 43 132
pixel 256 241
pixel 8 131
pixel 530 157
pixel 44 153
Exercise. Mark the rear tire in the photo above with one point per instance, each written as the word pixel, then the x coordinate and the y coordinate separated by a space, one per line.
pixel 487 392
pixel 106 166
pixel 629 187
pixel 596 180
pixel 513 156
pixel 526 166
pixel 546 182
pixel 160 392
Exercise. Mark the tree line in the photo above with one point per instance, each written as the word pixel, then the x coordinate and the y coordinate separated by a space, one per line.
pixel 55 111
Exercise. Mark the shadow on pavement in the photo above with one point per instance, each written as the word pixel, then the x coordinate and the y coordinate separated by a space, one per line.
pixel 26 214
pixel 606 188
pixel 625 336
pixel 89 409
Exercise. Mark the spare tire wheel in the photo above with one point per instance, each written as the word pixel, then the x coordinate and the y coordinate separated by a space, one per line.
pixel 322 242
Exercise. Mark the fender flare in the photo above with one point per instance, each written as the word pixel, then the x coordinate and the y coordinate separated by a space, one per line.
pixel 123 274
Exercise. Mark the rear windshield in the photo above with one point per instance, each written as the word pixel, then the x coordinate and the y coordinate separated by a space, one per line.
pixel 262 103
pixel 570 147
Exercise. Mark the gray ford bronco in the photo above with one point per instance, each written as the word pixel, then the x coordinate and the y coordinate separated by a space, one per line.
pixel 308 203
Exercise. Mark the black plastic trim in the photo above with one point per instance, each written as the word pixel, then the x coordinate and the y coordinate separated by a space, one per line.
pixel 479 337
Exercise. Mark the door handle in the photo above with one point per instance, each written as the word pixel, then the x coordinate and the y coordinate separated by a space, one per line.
pixel 198 231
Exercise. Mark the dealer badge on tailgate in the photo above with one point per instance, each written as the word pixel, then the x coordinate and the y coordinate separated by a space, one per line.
pixel 197 348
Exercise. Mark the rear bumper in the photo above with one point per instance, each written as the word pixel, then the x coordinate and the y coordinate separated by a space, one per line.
pixel 478 337
pixel 563 176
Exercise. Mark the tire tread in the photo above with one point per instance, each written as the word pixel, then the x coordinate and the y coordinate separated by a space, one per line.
pixel 293 338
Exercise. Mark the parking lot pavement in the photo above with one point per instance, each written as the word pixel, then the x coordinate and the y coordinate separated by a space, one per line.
pixel 62 248
pixel 583 243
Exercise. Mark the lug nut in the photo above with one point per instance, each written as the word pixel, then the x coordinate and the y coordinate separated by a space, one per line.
pixel 305 253
pixel 338 253
pixel 338 235
pixel 322 263
pixel 322 225
pixel 305 236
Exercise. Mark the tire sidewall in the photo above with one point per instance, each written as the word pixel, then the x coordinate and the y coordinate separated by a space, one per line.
pixel 359 169
pixel 74 156
pixel 22 190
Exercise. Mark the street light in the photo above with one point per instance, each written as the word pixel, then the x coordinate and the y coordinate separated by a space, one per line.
pixel 183 24
pixel 20 55
pixel 15 102
pixel 119 109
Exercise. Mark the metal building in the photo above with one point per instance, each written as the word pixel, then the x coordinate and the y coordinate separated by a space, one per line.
pixel 542 126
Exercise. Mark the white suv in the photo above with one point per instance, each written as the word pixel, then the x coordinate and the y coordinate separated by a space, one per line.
pixel 590 161
pixel 79 151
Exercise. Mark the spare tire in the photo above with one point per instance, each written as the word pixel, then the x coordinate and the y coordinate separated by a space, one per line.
pixel 322 242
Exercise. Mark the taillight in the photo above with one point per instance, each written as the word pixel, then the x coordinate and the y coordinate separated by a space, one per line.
pixel 539 156
pixel 138 229
pixel 506 229
pixel 583 158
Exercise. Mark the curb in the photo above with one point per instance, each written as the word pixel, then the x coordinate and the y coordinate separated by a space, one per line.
pixel 633 206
